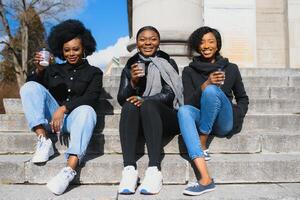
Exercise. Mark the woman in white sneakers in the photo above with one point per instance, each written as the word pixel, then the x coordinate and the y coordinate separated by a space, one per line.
pixel 60 98
pixel 150 93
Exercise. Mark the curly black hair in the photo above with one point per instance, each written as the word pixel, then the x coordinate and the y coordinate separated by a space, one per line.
pixel 151 28
pixel 66 31
pixel 196 37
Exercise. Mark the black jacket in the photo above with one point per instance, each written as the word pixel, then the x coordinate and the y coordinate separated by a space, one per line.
pixel 194 75
pixel 166 95
pixel 71 85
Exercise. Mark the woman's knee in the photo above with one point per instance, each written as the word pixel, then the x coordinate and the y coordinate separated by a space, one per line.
pixel 85 112
pixel 30 87
pixel 183 110
pixel 149 106
pixel 186 111
pixel 210 90
pixel 129 107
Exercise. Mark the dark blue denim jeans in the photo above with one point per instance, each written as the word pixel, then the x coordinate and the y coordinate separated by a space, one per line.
pixel 214 116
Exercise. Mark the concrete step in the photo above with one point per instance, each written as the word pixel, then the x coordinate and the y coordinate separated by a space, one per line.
pixel 106 169
pixel 271 122
pixel 253 92
pixel 269 72
pixel 74 192
pixel 273 92
pixel 104 106
pixel 168 192
pixel 111 106
pixel 274 105
pixel 244 71
pixel 109 143
pixel 280 92
pixel 227 192
pixel 249 81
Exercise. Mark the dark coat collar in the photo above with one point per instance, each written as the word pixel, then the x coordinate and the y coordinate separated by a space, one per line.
pixel 68 66
pixel 205 67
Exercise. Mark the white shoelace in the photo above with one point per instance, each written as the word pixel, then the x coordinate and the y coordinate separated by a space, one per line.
pixel 40 142
pixel 192 184
pixel 67 173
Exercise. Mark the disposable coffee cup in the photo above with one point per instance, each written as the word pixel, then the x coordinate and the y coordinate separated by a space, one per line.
pixel 45 57
pixel 220 70
pixel 141 65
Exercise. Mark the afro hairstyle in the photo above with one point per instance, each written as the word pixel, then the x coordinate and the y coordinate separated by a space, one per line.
pixel 66 31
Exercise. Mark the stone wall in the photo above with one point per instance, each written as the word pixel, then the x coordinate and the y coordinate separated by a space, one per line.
pixel 294 33
pixel 236 22
pixel 256 33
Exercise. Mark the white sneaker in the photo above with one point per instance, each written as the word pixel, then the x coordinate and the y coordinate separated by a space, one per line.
pixel 61 181
pixel 129 180
pixel 44 150
pixel 152 182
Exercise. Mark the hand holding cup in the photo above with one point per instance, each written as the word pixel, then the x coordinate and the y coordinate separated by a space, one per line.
pixel 137 71
pixel 217 78
pixel 41 60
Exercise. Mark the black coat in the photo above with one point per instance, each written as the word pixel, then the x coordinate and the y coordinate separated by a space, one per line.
pixel 71 85
pixel 166 95
pixel 194 75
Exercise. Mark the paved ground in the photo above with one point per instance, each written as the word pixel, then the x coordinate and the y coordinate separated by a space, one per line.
pixel 287 191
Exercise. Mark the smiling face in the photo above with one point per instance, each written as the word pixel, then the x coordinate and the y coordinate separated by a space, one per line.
pixel 148 42
pixel 208 47
pixel 73 51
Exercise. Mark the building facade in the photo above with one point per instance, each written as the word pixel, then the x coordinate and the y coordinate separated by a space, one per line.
pixel 255 33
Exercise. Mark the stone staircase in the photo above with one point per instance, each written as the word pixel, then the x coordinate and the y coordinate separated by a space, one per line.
pixel 263 161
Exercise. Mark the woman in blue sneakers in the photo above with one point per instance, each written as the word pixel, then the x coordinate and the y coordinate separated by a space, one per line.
pixel 210 83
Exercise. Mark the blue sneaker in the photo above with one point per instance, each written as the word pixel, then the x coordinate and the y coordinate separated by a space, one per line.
pixel 198 189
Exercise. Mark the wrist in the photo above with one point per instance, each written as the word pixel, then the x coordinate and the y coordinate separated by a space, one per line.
pixel 205 84
pixel 64 109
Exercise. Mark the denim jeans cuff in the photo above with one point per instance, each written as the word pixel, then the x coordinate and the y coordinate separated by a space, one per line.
pixel 43 122
pixel 197 156
pixel 204 132
pixel 80 157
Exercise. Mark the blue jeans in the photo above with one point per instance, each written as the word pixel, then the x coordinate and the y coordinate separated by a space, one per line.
pixel 215 116
pixel 39 106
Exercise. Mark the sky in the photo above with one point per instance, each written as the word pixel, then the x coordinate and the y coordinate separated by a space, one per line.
pixel 108 22
pixel 107 19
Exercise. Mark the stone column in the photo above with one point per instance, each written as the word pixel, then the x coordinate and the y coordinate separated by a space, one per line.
pixel 294 33
pixel 272 34
pixel 175 20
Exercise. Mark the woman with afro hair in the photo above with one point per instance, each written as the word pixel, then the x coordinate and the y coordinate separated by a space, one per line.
pixel 60 98
pixel 210 83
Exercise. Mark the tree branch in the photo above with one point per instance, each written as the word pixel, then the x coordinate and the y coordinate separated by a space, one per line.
pixel 49 8
pixel 5 21
pixel 9 47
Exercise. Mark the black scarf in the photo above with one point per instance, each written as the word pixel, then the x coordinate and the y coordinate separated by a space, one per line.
pixel 205 68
